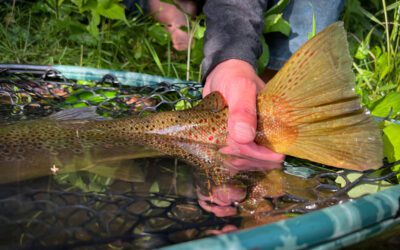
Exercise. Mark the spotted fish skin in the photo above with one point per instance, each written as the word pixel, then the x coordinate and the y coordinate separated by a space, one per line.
pixel 33 147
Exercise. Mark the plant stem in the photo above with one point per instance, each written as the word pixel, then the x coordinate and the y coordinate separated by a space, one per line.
pixel 81 57
pixel 387 31
pixel 189 49
pixel 362 75
pixel 169 59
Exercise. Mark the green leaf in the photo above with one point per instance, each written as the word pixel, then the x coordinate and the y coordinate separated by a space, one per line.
pixel 313 25
pixel 376 51
pixel 182 105
pixel 154 188
pixel 86 83
pixel 276 23
pixel 85 5
pixel 80 105
pixel 362 189
pixel 155 56
pixel 197 52
pixel 277 8
pixel 389 8
pixel 111 9
pixel 370 16
pixel 200 30
pixel 159 34
pixel 383 66
pixel 391 140
pixel 390 103
pixel 93 25
pixel 264 58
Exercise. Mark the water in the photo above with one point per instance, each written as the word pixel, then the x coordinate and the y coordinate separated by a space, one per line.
pixel 136 203
pixel 84 209
pixel 157 207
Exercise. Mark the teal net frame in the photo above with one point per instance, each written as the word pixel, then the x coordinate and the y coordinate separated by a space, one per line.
pixel 330 228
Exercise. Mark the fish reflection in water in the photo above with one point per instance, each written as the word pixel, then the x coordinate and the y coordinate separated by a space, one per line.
pixel 54 211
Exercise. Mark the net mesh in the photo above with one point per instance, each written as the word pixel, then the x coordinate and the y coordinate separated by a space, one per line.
pixel 47 214
pixel 33 215
pixel 29 93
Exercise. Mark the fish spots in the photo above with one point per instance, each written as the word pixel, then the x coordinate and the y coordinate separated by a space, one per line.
pixel 309 53
pixel 6 151
pixel 275 122
pixel 20 150
pixel 210 138
pixel 77 150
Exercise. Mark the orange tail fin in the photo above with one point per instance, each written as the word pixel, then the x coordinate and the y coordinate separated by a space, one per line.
pixel 309 109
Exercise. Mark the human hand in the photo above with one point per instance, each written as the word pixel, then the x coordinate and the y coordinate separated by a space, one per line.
pixel 221 200
pixel 238 83
pixel 174 19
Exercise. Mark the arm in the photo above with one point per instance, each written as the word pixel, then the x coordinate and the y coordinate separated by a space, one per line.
pixel 232 47
pixel 231 50
pixel 233 31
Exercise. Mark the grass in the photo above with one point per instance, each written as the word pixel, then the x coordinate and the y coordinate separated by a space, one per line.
pixel 374 42
pixel 37 33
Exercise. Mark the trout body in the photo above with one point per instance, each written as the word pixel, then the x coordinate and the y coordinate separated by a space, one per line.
pixel 308 110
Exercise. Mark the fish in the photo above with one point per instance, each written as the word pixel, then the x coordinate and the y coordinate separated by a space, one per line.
pixel 309 110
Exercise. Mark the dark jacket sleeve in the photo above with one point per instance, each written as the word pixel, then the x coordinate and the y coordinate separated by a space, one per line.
pixel 233 31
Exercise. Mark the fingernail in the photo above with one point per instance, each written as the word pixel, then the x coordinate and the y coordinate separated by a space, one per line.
pixel 243 131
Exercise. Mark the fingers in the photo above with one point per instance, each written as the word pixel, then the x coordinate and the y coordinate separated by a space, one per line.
pixel 206 89
pixel 180 38
pixel 223 195
pixel 252 150
pixel 221 199
pixel 229 194
pixel 225 229
pixel 237 81
pixel 242 115
pixel 219 211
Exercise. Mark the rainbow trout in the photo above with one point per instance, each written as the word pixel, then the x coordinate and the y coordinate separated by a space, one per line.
pixel 308 110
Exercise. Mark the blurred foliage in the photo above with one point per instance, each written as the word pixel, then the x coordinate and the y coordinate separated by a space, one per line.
pixel 95 33
pixel 374 43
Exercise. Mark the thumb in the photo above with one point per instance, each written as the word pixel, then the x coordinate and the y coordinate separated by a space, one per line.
pixel 242 116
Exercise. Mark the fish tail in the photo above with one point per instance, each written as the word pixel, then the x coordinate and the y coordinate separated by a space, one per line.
pixel 309 109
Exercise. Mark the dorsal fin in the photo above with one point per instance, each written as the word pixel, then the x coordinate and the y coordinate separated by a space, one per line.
pixel 309 109
pixel 213 102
